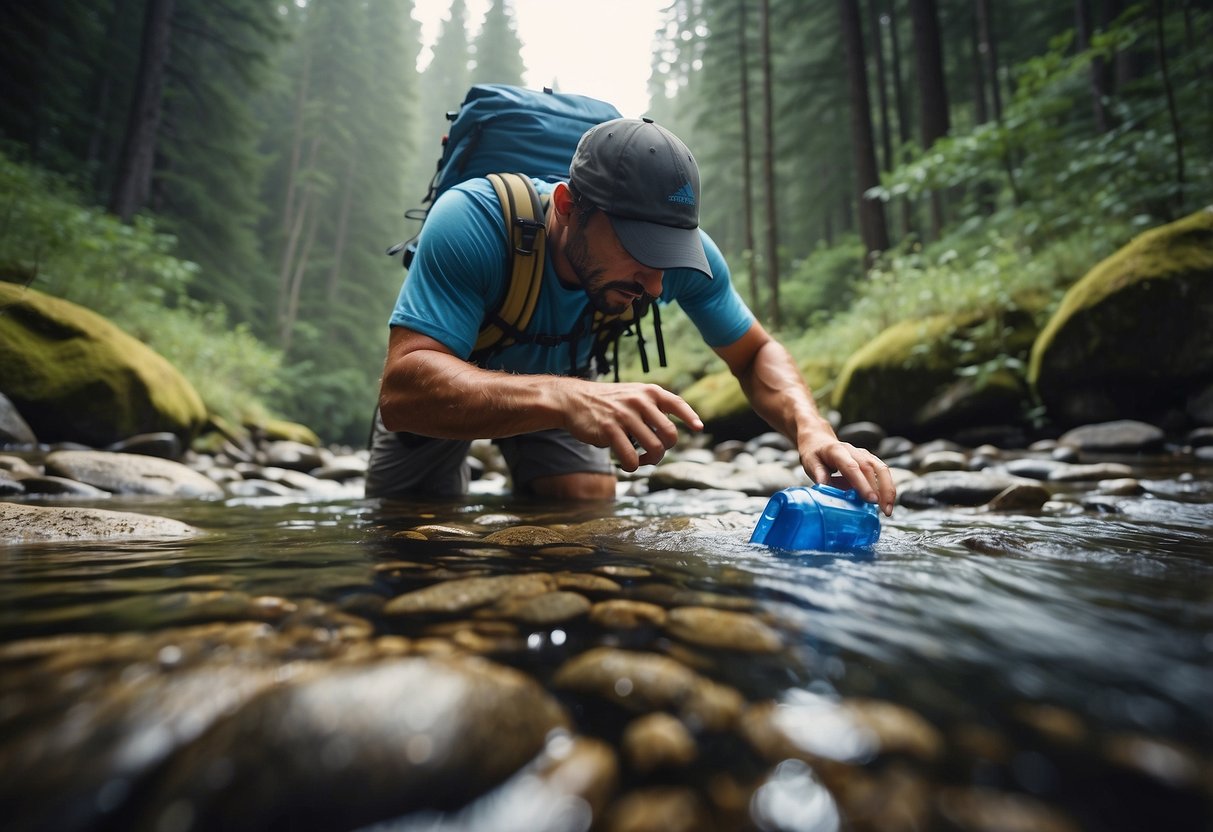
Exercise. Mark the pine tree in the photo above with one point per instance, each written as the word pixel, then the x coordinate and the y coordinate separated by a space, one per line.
pixel 498 51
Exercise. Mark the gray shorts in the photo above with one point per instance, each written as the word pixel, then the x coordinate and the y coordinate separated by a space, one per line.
pixel 404 464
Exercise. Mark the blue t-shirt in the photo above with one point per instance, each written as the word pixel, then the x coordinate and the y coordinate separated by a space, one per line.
pixel 459 272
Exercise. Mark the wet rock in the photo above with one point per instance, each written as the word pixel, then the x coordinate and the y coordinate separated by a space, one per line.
pixel 435 531
pixel 468 593
pixel 131 474
pixel 546 609
pixel 672 596
pixel 1089 473
pixel 1058 724
pixel 253 488
pixel 62 487
pixel 1121 436
pixel 9 486
pixel 31 524
pixel 722 629
pixel 683 475
pixel 944 461
pixel 987 810
pixel 661 809
pixel 868 435
pixel 815 729
pixel 1034 468
pixel 14 430
pixel 402 735
pixel 162 444
pixel 953 488
pixel 1019 497
pixel 1201 437
pixel 622 614
pixel 524 536
pixel 625 572
pixel 341 468
pixel 297 456
pixel 585 582
pixel 17 466
pixel 646 682
pixel 1167 762
pixel 1121 487
pixel 581 766
pixel 1204 453
pixel 657 741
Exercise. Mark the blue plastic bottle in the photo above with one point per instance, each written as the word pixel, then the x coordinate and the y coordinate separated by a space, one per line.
pixel 817 517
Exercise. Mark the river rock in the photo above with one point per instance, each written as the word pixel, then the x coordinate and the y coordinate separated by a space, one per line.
pixel 524 536
pixel 1033 467
pixel 658 740
pixel 31 524
pixel 399 735
pixel 163 444
pixel 1076 472
pixel 62 487
pixel 468 593
pixel 623 614
pixel 14 430
pixel 74 376
pixel 297 456
pixel 646 682
pixel 10 486
pixel 1132 339
pixel 131 474
pixel 953 488
pixel 659 809
pixel 544 610
pixel 1120 436
pixel 722 629
pixel 1020 497
pixel 988 810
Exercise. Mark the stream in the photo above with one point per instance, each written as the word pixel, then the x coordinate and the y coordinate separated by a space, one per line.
pixel 975 670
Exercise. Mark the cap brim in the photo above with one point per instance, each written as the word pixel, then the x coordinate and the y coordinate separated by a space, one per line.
pixel 662 246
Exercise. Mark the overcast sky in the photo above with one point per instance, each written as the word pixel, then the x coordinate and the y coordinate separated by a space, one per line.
pixel 601 48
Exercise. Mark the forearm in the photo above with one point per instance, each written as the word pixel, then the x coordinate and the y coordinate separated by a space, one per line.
pixel 778 394
pixel 435 394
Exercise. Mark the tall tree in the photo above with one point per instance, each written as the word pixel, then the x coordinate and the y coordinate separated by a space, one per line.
pixel 497 49
pixel 134 182
pixel 747 151
pixel 1099 92
pixel 768 167
pixel 872 228
pixel 934 118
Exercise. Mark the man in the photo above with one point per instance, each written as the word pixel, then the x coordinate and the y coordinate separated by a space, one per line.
pixel 626 224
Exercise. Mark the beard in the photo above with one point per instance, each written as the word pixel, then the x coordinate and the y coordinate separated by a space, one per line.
pixel 591 277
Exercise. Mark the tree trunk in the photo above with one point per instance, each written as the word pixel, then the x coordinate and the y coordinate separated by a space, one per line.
pixel 872 228
pixel 747 188
pixel 903 115
pixel 768 167
pixel 296 285
pixel 882 93
pixel 292 168
pixel 933 92
pixel 1082 28
pixel 343 222
pixel 989 53
pixel 134 181
pixel 1176 130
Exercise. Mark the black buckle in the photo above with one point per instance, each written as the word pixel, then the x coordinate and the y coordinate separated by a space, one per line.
pixel 530 230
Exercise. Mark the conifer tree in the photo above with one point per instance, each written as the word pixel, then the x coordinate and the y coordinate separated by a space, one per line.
pixel 497 50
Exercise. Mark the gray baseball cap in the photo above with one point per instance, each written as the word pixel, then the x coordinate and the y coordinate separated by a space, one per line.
pixel 647 183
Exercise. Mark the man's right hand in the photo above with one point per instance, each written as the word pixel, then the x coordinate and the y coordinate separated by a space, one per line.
pixel 626 418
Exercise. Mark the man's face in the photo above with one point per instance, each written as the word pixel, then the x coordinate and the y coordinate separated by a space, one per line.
pixel 610 276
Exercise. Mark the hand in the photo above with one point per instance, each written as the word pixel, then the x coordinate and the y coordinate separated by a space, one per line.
pixel 822 452
pixel 624 416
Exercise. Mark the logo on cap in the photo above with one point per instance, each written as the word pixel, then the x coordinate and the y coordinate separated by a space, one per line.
pixel 685 195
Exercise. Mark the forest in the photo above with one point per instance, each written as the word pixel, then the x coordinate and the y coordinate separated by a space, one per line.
pixel 221 178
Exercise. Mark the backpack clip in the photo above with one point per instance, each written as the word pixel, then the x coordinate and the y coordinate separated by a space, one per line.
pixel 526 238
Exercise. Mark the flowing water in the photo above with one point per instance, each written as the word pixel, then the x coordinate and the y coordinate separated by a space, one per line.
pixel 1052 671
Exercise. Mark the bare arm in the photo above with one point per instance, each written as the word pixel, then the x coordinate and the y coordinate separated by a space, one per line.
pixel 778 394
pixel 428 390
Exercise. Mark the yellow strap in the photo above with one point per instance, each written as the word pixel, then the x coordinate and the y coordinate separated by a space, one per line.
pixel 518 200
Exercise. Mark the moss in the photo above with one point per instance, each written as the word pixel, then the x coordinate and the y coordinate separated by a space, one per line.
pixel 281 429
pixel 1133 334
pixel 74 376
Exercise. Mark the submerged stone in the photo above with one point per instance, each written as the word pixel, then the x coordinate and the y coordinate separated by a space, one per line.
pixel 35 524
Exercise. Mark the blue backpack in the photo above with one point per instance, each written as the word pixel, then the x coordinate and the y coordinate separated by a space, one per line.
pixel 511 135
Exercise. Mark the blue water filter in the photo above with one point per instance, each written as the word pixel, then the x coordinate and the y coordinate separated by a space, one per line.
pixel 817 517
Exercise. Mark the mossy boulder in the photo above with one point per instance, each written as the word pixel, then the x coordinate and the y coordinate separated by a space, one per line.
pixel 1133 339
pixel 909 379
pixel 75 377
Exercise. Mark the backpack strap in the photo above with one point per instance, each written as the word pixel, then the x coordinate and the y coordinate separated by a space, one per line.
pixel 526 249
